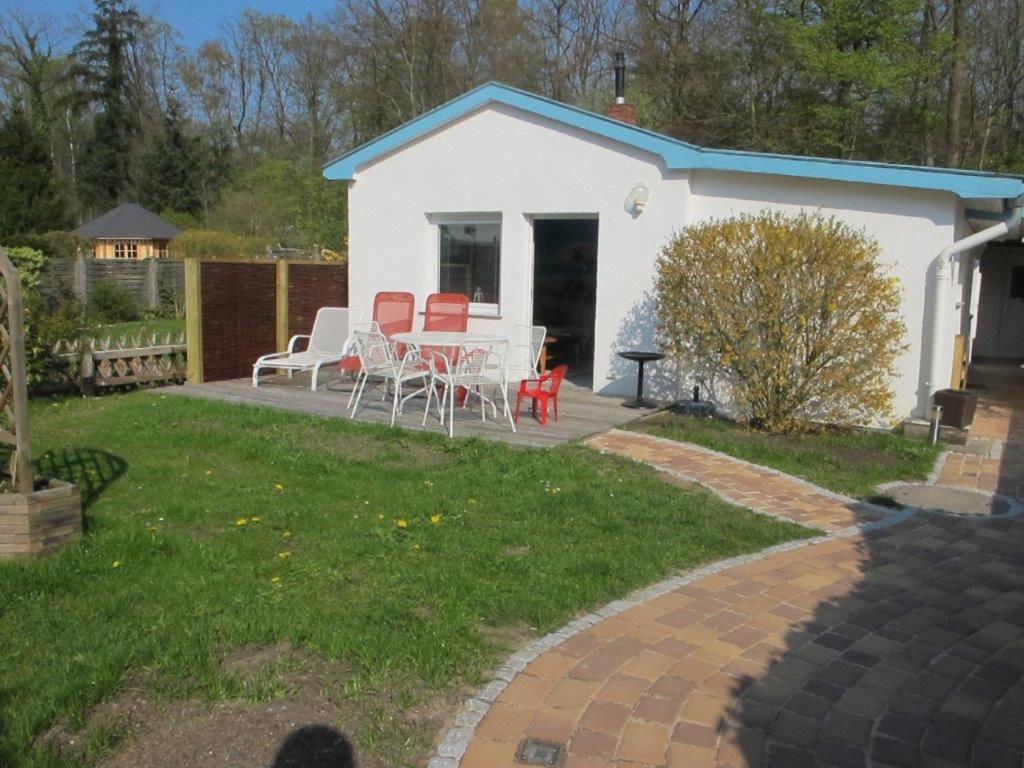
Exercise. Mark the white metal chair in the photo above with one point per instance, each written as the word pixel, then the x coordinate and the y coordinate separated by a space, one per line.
pixel 475 365
pixel 328 343
pixel 377 360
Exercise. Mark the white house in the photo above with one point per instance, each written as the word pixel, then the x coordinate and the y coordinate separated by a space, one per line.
pixel 537 211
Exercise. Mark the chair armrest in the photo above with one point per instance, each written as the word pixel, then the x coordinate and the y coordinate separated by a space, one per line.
pixel 291 342
pixel 434 356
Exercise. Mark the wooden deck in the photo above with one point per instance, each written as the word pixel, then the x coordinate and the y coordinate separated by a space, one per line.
pixel 582 413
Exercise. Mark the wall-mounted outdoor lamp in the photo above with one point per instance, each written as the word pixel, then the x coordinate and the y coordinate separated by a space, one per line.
pixel 637 199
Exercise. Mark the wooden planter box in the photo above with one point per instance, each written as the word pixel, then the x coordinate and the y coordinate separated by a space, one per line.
pixel 40 522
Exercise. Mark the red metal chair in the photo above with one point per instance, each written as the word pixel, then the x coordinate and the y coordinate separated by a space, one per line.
pixel 446 312
pixel 534 389
pixel 393 312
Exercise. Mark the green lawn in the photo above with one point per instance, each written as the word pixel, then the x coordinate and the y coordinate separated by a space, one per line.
pixel 158 325
pixel 846 461
pixel 399 554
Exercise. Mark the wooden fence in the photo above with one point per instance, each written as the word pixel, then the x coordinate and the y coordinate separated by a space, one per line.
pixel 236 311
pixel 128 360
pixel 148 281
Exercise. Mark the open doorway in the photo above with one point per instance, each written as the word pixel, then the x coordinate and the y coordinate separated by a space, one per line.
pixel 1000 332
pixel 565 291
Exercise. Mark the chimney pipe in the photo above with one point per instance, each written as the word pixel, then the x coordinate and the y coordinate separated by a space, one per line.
pixel 619 109
pixel 620 78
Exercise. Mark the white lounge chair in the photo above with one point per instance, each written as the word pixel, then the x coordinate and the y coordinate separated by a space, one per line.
pixel 328 343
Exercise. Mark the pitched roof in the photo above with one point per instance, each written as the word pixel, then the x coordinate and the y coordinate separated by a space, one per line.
pixel 129 220
pixel 679 155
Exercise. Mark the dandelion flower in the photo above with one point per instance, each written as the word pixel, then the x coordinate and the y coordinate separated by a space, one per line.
pixel 116 564
pixel 286 535
pixel 209 472
pixel 284 555
pixel 416 546
pixel 435 519
pixel 380 517
pixel 241 521
pixel 255 519
pixel 275 579
pixel 278 487
pixel 402 523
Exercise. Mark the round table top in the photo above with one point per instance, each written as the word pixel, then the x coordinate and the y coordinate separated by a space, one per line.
pixel 637 357
pixel 443 338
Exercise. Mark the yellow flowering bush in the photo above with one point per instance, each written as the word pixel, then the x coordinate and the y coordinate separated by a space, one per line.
pixel 794 314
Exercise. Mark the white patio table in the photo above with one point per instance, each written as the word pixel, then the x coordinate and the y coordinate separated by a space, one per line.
pixel 442 338
pixel 420 339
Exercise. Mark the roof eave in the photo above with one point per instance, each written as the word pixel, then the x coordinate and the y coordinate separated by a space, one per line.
pixel 675 154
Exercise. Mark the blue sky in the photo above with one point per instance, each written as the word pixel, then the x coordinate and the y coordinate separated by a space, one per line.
pixel 196 20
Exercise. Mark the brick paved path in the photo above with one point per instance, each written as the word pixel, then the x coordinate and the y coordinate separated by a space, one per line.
pixel 902 646
pixel 898 643
pixel 999 418
pixel 748 485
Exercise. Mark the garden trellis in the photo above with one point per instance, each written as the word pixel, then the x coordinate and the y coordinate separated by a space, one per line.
pixel 14 391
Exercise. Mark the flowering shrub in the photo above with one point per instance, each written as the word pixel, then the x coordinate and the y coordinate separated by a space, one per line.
pixel 794 313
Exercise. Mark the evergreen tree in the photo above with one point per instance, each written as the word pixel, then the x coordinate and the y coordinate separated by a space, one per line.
pixel 31 198
pixel 102 57
pixel 174 168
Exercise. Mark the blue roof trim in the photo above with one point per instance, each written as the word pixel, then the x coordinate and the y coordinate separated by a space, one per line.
pixel 678 155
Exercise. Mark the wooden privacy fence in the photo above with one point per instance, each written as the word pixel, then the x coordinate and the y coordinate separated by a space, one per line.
pixel 236 311
pixel 148 281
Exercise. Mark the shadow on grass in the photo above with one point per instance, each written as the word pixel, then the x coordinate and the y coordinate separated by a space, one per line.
pixel 92 470
pixel 315 746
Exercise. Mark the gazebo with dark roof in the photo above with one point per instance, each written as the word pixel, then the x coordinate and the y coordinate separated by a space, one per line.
pixel 128 232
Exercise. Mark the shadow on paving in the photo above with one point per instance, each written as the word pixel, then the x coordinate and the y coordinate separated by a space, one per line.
pixel 916 660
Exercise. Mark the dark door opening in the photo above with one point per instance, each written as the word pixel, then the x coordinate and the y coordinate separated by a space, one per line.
pixel 565 290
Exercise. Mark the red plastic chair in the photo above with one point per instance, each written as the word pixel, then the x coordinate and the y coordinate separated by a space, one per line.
pixel 446 312
pixel 393 312
pixel 534 389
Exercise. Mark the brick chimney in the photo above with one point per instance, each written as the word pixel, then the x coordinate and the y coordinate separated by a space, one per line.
pixel 619 109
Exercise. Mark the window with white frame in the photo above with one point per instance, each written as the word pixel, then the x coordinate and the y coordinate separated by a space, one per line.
pixel 469 256
pixel 126 249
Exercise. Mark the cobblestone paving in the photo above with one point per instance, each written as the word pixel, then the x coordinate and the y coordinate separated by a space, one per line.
pixel 903 646
pixel 1000 418
pixel 898 645
pixel 757 488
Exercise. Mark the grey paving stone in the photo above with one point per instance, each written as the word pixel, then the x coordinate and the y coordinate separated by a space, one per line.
pixel 893 752
pixel 848 728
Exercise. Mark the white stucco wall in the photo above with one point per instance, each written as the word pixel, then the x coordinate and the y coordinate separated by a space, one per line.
pixel 502 161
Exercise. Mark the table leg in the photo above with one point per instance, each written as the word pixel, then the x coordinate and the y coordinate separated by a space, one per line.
pixel 638 401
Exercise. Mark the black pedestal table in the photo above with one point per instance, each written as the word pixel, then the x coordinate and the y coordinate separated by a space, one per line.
pixel 640 358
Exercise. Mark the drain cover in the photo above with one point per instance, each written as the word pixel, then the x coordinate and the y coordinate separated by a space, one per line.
pixel 950 501
pixel 537 752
